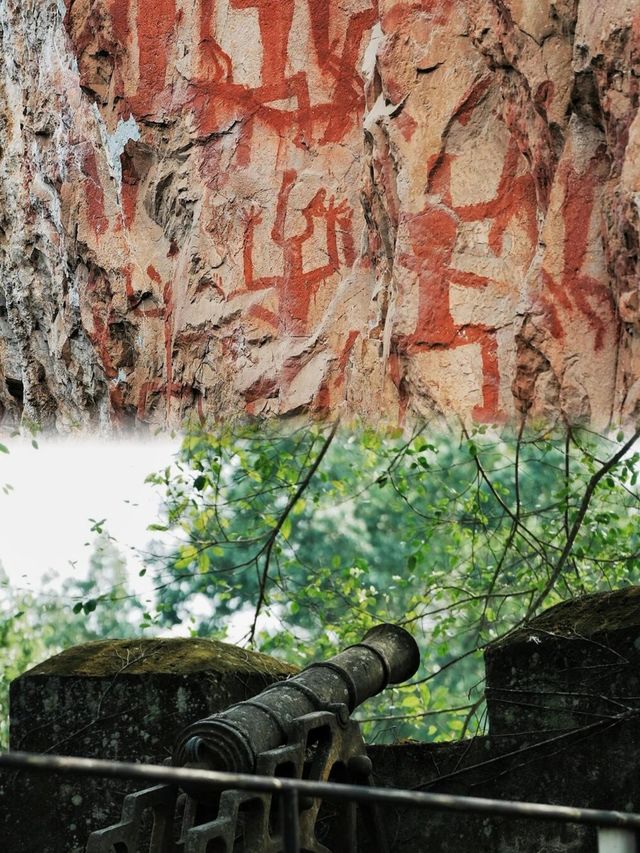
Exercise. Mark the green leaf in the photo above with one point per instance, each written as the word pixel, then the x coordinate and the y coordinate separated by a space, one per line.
pixel 4 448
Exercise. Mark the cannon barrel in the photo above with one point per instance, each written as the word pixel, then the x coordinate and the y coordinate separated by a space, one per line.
pixel 231 740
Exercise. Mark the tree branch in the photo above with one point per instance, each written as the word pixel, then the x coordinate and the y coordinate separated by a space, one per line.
pixel 267 548
pixel 577 522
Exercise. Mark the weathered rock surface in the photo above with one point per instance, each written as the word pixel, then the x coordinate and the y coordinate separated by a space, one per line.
pixel 393 208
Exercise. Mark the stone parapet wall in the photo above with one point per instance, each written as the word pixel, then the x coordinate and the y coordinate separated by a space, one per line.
pixel 563 710
pixel 116 699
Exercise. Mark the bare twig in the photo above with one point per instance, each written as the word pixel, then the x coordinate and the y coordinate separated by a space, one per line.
pixel 267 548
pixel 579 518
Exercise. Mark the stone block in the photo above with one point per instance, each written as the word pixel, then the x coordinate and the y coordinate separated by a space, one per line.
pixel 597 770
pixel 573 666
pixel 118 699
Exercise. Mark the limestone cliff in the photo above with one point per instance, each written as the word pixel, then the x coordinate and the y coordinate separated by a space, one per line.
pixel 286 206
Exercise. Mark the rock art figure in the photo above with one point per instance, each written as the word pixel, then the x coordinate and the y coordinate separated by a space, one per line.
pixel 387 209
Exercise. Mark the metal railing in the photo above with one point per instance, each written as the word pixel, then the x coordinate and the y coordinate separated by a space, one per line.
pixel 616 830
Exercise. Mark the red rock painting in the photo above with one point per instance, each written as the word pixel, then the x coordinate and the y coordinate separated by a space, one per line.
pixel 297 286
pixel 432 236
pixel 387 208
pixel 574 289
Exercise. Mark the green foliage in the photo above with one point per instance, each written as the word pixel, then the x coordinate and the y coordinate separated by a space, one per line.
pixel 306 539
pixel 35 626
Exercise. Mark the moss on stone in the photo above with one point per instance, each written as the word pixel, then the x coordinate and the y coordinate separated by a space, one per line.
pixel 169 656
pixel 586 616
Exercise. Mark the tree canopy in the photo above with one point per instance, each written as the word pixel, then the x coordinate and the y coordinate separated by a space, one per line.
pixel 305 537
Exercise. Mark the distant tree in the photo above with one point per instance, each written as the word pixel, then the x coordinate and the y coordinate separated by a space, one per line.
pixel 36 625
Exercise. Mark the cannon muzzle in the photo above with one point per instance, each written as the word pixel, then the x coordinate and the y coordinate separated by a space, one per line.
pixel 232 740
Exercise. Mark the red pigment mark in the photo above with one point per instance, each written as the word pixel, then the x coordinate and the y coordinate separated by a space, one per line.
pixel 263 314
pixel 352 337
pixel 432 235
pixel 291 368
pixel 321 404
pixel 168 337
pixel 541 157
pixel 543 96
pixel 214 98
pixel 439 177
pixel 551 306
pixel 297 287
pixel 146 389
pixel 100 338
pixel 156 24
pixel 344 228
pixel 348 94
pixel 94 193
pixel 89 34
pixel 153 274
pixel 200 409
pixel 275 18
pixel 472 100
pixel 575 289
pixel 432 238
pixel 217 101
pixel 402 14
pixel 215 64
pixel 261 388
pixel 130 188
pixel 407 125
pixel 165 313
pixel 208 283
pixel 396 375
pixel 515 197
pixel 395 370
pixel 119 11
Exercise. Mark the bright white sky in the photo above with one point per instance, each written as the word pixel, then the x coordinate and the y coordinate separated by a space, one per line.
pixel 44 521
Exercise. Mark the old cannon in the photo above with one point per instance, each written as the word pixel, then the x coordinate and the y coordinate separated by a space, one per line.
pixel 233 739
pixel 298 728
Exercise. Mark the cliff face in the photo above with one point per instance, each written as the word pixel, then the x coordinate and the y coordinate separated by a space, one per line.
pixel 285 206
